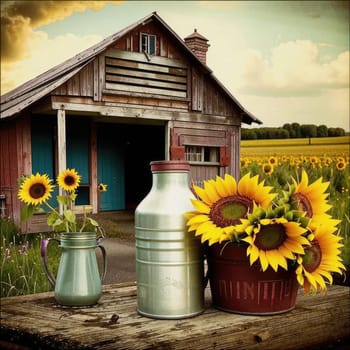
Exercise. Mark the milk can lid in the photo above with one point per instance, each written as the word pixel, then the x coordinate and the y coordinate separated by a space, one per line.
pixel 164 165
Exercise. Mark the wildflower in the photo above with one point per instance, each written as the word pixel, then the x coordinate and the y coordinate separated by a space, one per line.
pixel 7 253
pixel 24 249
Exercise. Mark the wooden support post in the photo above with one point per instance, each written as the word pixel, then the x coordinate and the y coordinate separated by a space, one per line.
pixel 61 144
pixel 94 197
pixel 168 127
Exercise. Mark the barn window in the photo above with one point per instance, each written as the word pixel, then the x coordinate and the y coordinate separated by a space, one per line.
pixel 202 154
pixel 148 43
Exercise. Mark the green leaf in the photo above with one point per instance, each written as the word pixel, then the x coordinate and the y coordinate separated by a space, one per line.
pixel 93 222
pixel 52 218
pixel 69 216
pixel 62 200
pixel 27 211
pixel 58 225
pixel 57 222
pixel 304 221
pixel 289 216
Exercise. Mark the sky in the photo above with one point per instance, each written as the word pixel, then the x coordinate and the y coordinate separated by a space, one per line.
pixel 284 61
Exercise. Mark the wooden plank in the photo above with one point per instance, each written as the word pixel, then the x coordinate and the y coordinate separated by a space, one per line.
pixel 202 141
pixel 101 74
pixel 203 171
pixel 18 104
pixel 93 168
pixel 38 322
pixel 146 82
pixel 86 76
pixel 146 67
pixel 147 75
pixel 134 101
pixel 143 95
pixel 182 118
pixel 61 145
pixel 145 90
pixel 96 87
pixel 201 132
pixel 140 57
pixel 197 90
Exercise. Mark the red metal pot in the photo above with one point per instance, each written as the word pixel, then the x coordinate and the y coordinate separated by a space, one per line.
pixel 240 288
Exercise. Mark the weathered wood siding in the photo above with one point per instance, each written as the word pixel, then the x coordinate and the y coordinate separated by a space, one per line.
pixel 82 84
pixel 134 73
pixel 165 46
pixel 165 79
pixel 15 160
pixel 223 137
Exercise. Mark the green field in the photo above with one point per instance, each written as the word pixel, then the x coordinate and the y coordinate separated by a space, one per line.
pixel 323 146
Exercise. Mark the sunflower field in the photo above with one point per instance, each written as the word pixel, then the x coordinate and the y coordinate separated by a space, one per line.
pixel 278 162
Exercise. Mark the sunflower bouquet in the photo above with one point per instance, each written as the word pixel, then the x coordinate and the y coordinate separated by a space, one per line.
pixel 36 190
pixel 285 229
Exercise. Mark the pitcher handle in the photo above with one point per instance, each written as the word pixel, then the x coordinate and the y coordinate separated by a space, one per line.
pixel 104 259
pixel 43 250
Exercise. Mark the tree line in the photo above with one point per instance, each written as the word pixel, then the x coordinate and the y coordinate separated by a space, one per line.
pixel 293 130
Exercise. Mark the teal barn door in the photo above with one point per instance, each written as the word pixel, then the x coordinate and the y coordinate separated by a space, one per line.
pixel 78 141
pixel 110 167
pixel 42 139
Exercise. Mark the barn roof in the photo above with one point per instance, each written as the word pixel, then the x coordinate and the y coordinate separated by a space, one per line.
pixel 30 92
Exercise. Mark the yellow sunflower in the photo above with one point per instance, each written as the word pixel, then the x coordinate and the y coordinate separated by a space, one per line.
pixel 267 168
pixel 102 187
pixel 273 161
pixel 69 180
pixel 35 189
pixel 320 259
pixel 273 241
pixel 341 165
pixel 311 198
pixel 222 203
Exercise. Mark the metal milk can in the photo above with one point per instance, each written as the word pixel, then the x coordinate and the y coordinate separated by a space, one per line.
pixel 169 260
pixel 78 281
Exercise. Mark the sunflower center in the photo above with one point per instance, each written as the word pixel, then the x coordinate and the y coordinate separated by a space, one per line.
pixel 303 203
pixel 37 190
pixel 313 256
pixel 69 180
pixel 229 210
pixel 270 236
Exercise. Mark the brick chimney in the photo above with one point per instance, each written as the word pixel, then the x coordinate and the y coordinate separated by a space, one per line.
pixel 198 44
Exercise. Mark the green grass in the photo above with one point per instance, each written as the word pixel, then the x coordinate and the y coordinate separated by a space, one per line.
pixel 21 270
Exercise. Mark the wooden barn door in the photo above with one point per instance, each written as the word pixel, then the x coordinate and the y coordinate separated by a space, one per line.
pixel 110 168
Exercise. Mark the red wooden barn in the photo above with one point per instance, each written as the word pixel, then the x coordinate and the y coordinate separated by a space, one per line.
pixel 139 95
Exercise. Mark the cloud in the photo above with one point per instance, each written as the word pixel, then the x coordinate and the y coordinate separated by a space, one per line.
pixel 20 18
pixel 45 53
pixel 23 46
pixel 294 68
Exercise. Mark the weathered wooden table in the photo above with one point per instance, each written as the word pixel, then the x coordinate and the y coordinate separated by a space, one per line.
pixel 37 322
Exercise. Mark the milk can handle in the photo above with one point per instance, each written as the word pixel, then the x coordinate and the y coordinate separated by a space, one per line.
pixel 104 259
pixel 43 250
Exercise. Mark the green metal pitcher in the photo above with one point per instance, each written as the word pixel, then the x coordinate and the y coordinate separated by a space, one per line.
pixel 78 281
